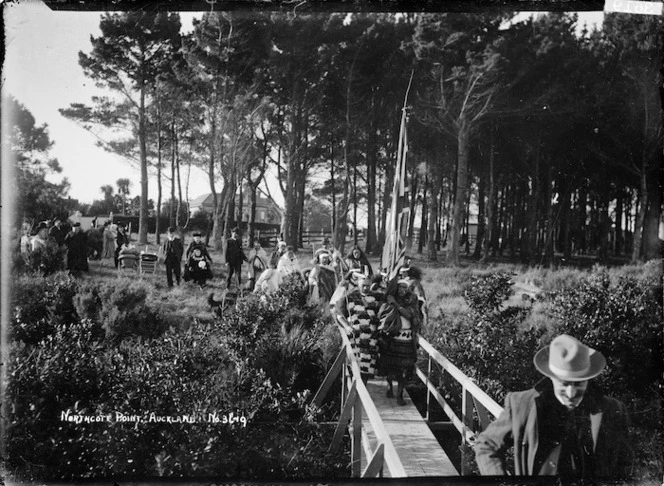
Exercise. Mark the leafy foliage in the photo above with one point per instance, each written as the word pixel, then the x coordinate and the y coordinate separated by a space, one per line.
pixel 97 349
pixel 491 344
pixel 624 322
pixel 47 260
pixel 120 308
pixel 40 305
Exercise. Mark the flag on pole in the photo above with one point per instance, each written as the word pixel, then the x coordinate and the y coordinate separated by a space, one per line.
pixel 394 251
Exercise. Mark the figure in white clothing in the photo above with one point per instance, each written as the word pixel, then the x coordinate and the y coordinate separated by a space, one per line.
pixel 289 263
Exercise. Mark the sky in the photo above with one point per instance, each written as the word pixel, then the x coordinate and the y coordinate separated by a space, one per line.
pixel 41 71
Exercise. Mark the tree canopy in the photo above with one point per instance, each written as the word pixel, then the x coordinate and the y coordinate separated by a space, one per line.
pixel 544 137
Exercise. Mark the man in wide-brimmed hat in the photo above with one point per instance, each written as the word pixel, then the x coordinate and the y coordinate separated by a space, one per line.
pixel 563 426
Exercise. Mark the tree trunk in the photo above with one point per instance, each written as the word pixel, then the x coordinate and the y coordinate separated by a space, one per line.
pixel 425 217
pixel 370 244
pixel 548 226
pixel 490 196
pixel 143 212
pixel 178 217
pixel 433 229
pixel 481 218
pixel 458 212
pixel 252 213
pixel 239 207
pixel 652 243
pixel 583 216
pixel 564 241
pixel 157 229
pixel 532 218
pixel 618 240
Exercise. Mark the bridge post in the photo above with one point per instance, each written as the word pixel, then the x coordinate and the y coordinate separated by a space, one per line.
pixel 467 403
pixel 427 418
pixel 356 442
pixel 344 371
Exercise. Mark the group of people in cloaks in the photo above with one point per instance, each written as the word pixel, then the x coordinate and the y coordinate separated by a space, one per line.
pixel 381 318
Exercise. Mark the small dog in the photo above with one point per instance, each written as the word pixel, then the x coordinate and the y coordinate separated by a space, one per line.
pixel 228 301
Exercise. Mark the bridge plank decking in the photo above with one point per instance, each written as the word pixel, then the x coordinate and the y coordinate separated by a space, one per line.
pixel 420 452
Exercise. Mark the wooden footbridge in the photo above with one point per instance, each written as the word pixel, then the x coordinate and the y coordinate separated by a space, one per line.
pixel 389 440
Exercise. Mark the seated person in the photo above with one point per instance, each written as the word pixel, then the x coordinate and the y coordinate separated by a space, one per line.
pixel 197 268
pixel 200 244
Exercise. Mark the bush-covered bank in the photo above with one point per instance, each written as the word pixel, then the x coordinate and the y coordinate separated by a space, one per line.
pixel 96 366
pixel 617 311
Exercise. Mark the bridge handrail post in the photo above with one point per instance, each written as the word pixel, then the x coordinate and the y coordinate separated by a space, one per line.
pixel 479 395
pixel 356 440
pixel 429 364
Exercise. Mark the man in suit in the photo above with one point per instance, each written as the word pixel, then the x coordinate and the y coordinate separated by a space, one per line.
pixel 234 258
pixel 564 426
pixel 172 250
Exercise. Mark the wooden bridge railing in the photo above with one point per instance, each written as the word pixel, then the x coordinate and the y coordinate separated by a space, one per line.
pixel 476 405
pixel 355 398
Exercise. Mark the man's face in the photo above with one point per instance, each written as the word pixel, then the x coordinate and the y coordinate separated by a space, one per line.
pixel 364 286
pixel 234 235
pixel 197 239
pixel 356 253
pixel 171 236
pixel 569 393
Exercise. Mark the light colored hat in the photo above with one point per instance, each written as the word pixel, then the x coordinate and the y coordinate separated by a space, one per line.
pixel 568 359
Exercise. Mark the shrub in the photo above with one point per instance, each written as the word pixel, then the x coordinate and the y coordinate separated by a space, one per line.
pixel 63 373
pixel 40 305
pixel 291 358
pixel 623 321
pixel 490 345
pixel 47 260
pixel 121 309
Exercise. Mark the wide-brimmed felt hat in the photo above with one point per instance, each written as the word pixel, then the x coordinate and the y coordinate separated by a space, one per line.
pixel 196 233
pixel 568 359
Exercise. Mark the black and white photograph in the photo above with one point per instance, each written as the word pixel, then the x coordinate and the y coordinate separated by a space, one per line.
pixel 332 243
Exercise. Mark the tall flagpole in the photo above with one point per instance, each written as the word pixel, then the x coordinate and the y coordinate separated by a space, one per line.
pixel 394 249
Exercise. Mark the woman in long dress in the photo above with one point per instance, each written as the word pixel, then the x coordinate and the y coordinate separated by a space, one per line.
pixel 108 249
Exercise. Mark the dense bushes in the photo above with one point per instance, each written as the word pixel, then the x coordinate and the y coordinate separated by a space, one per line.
pixel 121 309
pixel 623 320
pixel 491 345
pixel 279 333
pixel 98 349
pixel 46 261
pixel 41 305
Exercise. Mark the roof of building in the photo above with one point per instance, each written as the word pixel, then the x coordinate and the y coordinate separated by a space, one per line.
pixel 205 199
